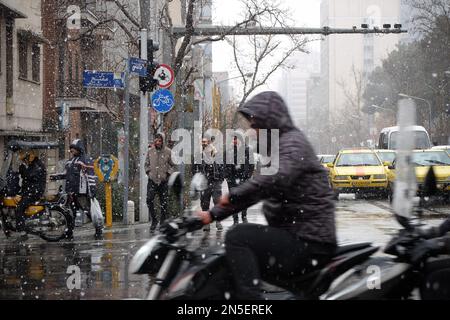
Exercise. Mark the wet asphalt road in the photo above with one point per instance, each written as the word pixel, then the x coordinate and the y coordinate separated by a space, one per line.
pixel 42 270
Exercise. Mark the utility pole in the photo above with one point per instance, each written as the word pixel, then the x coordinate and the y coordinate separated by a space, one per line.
pixel 143 128
pixel 126 143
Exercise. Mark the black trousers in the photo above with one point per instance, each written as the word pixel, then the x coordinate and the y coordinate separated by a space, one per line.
pixel 80 202
pixel 255 252
pixel 23 204
pixel 162 190
pixel 213 190
pixel 232 184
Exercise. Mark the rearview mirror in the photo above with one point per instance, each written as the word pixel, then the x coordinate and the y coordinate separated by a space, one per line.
pixel 386 163
pixel 391 167
pixel 330 165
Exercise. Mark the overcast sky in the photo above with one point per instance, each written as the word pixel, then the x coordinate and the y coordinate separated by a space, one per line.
pixel 305 12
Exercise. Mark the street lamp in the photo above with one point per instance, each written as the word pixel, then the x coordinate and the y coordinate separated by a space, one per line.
pixel 421 99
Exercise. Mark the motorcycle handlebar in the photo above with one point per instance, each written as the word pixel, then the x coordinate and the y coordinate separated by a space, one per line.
pixel 178 227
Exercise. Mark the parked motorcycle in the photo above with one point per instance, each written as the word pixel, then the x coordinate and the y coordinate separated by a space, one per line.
pixel 46 218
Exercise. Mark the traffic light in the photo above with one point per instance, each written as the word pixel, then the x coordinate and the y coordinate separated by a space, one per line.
pixel 148 83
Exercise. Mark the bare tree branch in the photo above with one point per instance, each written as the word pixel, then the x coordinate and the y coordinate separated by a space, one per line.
pixel 127 14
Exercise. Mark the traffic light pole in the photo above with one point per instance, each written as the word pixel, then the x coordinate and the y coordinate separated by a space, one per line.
pixel 143 140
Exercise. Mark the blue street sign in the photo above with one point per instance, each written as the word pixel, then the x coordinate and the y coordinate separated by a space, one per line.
pixel 102 79
pixel 138 66
pixel 162 100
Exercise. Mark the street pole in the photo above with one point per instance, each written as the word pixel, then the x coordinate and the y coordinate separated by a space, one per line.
pixel 143 140
pixel 429 108
pixel 126 144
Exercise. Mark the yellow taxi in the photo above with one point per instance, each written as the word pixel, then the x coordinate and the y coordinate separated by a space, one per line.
pixel 357 171
pixel 422 160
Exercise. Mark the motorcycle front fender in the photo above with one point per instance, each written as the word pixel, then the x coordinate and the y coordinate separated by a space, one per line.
pixel 206 279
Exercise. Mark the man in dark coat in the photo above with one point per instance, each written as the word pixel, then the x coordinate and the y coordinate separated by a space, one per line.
pixel 214 174
pixel 298 205
pixel 33 174
pixel 240 170
pixel 81 181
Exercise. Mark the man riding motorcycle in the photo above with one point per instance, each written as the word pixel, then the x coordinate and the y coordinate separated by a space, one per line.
pixel 33 174
pixel 298 205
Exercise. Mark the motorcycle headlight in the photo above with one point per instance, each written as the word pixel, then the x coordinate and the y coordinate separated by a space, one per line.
pixel 379 176
pixel 340 177
pixel 149 258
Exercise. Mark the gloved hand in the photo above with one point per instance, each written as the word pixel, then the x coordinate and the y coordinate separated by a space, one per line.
pixel 194 223
pixel 426 248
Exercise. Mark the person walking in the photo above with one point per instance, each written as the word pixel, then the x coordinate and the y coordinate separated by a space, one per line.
pixel 214 174
pixel 240 170
pixel 158 166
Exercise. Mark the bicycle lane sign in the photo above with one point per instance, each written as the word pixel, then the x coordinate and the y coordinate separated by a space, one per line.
pixel 162 100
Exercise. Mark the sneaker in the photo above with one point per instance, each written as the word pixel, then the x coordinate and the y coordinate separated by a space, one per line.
pixel 244 220
pixel 98 236
pixel 207 228
pixel 219 226
pixel 235 222
pixel 69 237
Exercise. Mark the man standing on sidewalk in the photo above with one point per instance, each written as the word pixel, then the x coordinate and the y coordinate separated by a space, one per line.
pixel 214 174
pixel 240 170
pixel 159 167
pixel 81 183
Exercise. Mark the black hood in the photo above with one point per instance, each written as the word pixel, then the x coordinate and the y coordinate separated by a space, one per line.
pixel 269 111
pixel 77 144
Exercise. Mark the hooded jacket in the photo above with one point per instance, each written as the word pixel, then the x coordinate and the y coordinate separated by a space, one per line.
pixel 79 180
pixel 297 198
pixel 33 179
pixel 158 163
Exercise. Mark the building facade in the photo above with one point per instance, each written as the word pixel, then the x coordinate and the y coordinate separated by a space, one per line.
pixel 21 89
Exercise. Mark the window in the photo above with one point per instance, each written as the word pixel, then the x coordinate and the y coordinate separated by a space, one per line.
pixel 29 53
pixel 358 159
pixel 36 62
pixel 23 56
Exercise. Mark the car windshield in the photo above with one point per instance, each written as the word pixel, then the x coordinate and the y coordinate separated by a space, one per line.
pixel 431 158
pixel 421 140
pixel 328 159
pixel 386 156
pixel 358 159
